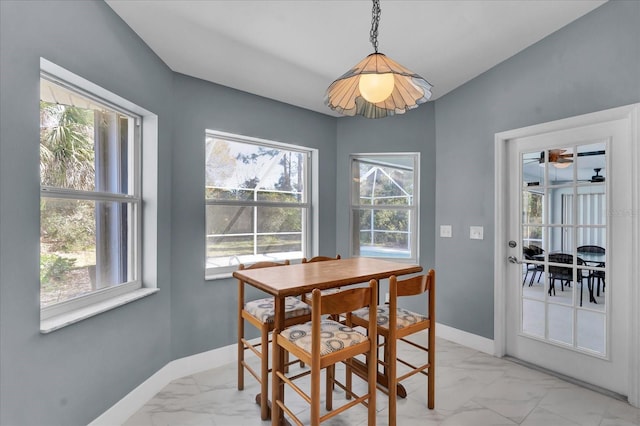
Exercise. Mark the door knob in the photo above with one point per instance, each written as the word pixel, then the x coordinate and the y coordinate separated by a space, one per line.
pixel 514 259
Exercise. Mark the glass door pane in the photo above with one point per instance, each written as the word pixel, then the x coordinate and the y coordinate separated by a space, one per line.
pixel 563 234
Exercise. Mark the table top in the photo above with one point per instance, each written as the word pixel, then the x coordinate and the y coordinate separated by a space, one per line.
pixel 587 257
pixel 592 257
pixel 301 278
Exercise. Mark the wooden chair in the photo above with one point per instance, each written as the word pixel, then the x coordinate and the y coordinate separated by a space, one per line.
pixel 260 314
pixel 394 325
pixel 322 343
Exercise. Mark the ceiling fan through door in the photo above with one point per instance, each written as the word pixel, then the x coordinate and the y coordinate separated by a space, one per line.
pixel 561 158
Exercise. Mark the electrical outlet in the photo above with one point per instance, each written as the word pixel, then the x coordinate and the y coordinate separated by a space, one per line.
pixel 386 298
pixel 476 232
pixel 445 231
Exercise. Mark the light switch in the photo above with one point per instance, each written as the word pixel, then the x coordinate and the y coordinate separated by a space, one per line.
pixel 445 231
pixel 476 232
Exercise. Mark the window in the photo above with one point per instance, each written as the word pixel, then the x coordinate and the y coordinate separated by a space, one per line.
pixel 257 201
pixel 90 197
pixel 384 205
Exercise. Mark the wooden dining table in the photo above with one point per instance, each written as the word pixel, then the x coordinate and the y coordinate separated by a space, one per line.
pixel 297 279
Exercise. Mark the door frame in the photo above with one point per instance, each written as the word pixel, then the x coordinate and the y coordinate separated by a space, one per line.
pixel 629 113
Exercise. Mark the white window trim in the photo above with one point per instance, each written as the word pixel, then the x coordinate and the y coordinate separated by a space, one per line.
pixel 414 210
pixel 311 235
pixel 74 310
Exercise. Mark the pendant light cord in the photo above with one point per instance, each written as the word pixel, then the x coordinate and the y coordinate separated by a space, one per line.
pixel 375 20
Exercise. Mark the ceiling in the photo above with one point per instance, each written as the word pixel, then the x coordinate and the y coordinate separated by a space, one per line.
pixel 291 51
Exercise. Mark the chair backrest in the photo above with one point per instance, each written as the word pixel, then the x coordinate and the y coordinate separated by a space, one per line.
pixel 412 287
pixel 528 253
pixel 563 272
pixel 561 258
pixel 264 264
pixel 591 249
pixel 344 301
pixel 320 259
pixel 536 249
pixel 257 265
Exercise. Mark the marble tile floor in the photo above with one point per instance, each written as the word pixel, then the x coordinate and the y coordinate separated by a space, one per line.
pixel 472 388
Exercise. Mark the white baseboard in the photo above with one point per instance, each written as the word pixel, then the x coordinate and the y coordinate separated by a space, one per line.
pixel 176 369
pixel 464 338
pixel 187 366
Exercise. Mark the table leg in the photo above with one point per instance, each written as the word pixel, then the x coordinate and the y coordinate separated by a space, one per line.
pixel 360 368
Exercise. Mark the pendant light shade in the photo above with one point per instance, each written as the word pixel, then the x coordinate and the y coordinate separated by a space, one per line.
pixel 354 93
pixel 377 86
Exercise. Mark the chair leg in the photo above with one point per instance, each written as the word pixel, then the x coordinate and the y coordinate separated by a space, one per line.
pixel 391 368
pixel 315 394
pixel 581 288
pixel 372 381
pixel 592 298
pixel 331 374
pixel 431 378
pixel 600 279
pixel 240 353
pixel 348 378
pixel 264 373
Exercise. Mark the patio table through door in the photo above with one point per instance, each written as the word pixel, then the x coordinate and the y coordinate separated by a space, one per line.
pixel 294 280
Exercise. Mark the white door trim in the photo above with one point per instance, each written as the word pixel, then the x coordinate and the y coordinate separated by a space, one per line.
pixel 630 113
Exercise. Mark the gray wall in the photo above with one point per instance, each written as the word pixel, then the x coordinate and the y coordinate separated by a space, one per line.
pixel 589 65
pixel 204 312
pixel 413 131
pixel 70 376
pixel 74 374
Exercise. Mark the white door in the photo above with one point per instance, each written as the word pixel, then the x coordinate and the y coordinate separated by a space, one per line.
pixel 567 304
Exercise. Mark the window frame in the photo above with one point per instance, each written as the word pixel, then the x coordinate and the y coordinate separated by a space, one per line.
pixel 413 209
pixel 310 182
pixel 144 134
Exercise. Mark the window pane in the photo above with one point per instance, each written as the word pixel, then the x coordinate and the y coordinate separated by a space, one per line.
pixel 382 184
pixel 67 155
pixel 532 236
pixel 84 246
pixel 237 170
pixel 259 175
pixel 532 207
pixel 561 324
pixel 279 243
pixel 228 220
pixel 533 169
pixel 382 233
pixel 83 145
pixel 591 205
pixel 592 163
pixel 533 317
pixel 387 183
pixel 559 163
pixel 591 331
pixel 279 219
pixel 227 250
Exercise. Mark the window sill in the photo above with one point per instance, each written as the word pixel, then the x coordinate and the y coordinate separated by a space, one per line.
pixel 60 321
pixel 219 276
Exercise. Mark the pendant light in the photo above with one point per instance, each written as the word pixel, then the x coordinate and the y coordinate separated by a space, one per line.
pixel 377 86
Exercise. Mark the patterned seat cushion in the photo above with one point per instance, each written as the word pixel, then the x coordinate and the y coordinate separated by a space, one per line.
pixel 334 336
pixel 263 309
pixel 404 317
